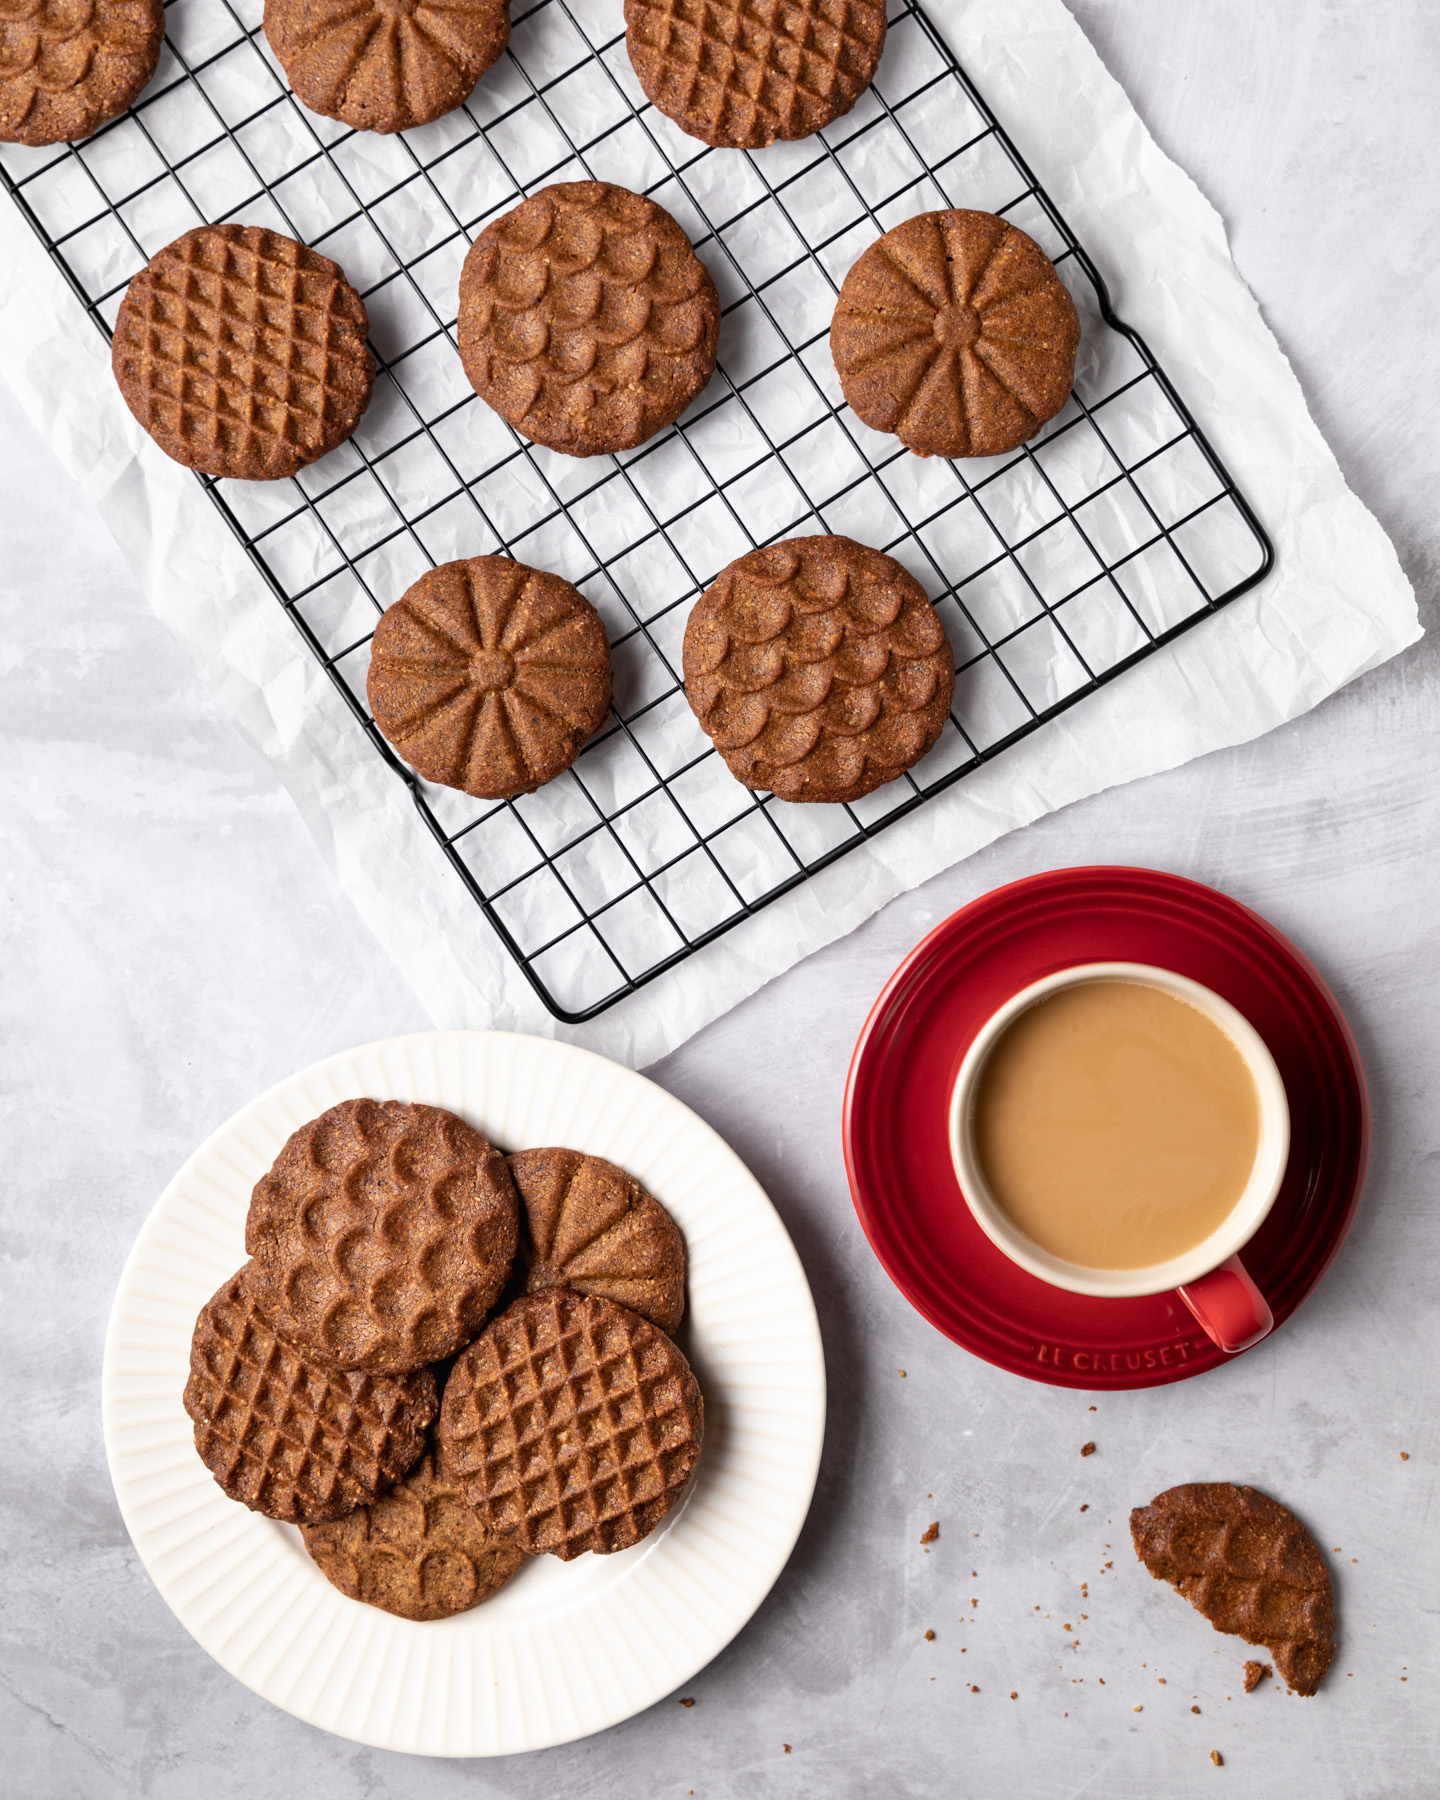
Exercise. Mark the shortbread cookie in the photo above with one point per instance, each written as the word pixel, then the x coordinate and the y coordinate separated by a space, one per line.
pixel 385 65
pixel 819 668
pixel 66 66
pixel 421 1551
pixel 489 676
pixel 382 1235
pixel 243 353
pixel 287 1436
pixel 954 332
pixel 742 73
pixel 571 1423
pixel 1249 1565
pixel 586 319
pixel 591 1228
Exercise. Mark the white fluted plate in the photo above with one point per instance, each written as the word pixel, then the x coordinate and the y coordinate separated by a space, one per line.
pixel 566 1648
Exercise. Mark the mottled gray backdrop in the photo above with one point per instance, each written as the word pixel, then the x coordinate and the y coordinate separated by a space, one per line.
pixel 171 943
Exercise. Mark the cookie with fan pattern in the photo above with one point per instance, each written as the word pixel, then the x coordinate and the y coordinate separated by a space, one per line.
pixel 819 669
pixel 382 1235
pixel 385 65
pixel 954 332
pixel 590 1227
pixel 586 319
pixel 489 676
pixel 66 66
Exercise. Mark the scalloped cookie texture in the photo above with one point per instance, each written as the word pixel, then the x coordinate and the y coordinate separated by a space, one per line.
pixel 819 668
pixel 586 319
pixel 66 66
pixel 382 1235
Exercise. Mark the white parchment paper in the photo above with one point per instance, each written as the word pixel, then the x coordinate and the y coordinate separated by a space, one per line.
pixel 1337 605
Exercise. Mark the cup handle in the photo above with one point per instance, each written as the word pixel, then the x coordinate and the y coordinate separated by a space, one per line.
pixel 1229 1306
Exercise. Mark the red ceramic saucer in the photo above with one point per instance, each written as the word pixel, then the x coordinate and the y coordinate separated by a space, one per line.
pixel 897 1149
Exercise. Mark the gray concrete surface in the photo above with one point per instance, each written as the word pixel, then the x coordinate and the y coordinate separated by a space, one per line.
pixel 170 943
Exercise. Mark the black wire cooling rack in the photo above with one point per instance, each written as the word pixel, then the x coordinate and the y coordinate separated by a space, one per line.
pixel 1054 569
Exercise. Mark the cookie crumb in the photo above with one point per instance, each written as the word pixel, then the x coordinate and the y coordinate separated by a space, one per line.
pixel 930 1533
pixel 929 1637
pixel 1013 1694
pixel 900 1373
pixel 1094 1409
pixel 1195 1709
pixel 785 1748
pixel 1137 1709
pixel 1404 1456
pixel 973 1688
pixel 687 1702
pixel 1085 1507
pixel 1255 1673
pixel 1217 1759
pixel 1087 1449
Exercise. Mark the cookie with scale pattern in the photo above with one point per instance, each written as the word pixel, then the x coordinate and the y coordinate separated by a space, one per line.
pixel 243 353
pixel 66 66
pixel 590 1227
pixel 954 332
pixel 489 676
pixel 382 1235
pixel 421 1551
pixel 741 73
pixel 385 65
pixel 819 668
pixel 287 1436
pixel 586 319
pixel 1249 1565
pixel 571 1423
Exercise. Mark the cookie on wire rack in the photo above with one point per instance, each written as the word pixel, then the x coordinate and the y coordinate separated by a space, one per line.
pixel 819 668
pixel 243 353
pixel 590 1227
pixel 571 1423
pixel 954 332
pixel 741 73
pixel 586 319
pixel 382 1235
pixel 488 676
pixel 385 65
pixel 285 1435
pixel 68 67
pixel 420 1551
pixel 1249 1565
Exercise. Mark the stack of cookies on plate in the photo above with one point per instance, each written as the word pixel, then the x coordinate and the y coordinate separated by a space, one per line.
pixel 440 1360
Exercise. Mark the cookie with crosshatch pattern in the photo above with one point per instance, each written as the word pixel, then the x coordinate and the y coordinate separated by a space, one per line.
pixel 586 319
pixel 385 65
pixel 819 669
pixel 954 332
pixel 571 1423
pixel 591 1227
pixel 382 1235
pixel 243 353
pixel 488 676
pixel 66 66
pixel 741 73
pixel 420 1551
pixel 1249 1565
pixel 286 1435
